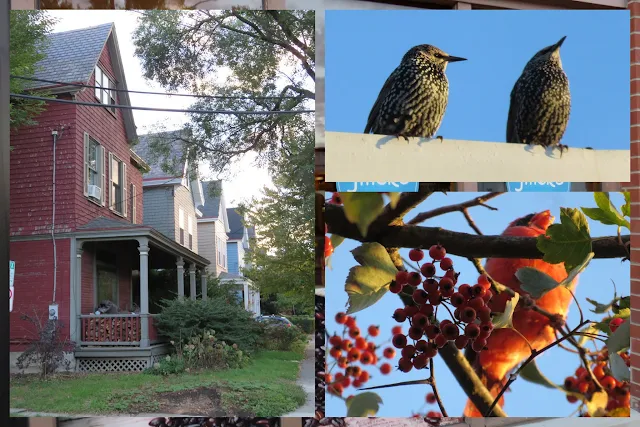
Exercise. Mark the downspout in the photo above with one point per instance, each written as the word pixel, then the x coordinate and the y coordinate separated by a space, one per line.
pixel 54 133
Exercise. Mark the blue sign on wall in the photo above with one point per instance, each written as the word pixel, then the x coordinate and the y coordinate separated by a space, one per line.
pixel 377 187
pixel 548 187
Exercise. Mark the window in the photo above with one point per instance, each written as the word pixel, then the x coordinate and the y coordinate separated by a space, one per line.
pixel 190 230
pixel 181 225
pixel 219 251
pixel 104 89
pixel 133 204
pixel 117 185
pixel 93 170
pixel 106 278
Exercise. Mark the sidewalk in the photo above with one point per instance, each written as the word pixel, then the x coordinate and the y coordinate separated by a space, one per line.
pixel 307 380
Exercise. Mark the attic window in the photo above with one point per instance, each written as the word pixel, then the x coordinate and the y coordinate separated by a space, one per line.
pixel 104 89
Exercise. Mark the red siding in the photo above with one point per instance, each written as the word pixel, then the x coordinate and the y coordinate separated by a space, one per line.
pixel 34 285
pixel 634 187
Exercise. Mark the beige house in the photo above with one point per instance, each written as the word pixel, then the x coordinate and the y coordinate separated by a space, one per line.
pixel 213 226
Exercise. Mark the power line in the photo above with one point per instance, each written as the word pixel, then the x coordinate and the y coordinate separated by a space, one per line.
pixel 167 110
pixel 152 93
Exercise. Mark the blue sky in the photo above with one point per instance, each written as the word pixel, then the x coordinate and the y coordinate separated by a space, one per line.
pixel 364 47
pixel 526 399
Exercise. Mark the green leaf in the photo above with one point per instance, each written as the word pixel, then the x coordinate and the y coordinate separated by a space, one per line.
pixel 393 199
pixel 532 373
pixel 336 240
pixel 598 307
pixel 591 329
pixel 567 242
pixel 368 282
pixel 623 303
pixel 598 403
pixel 363 405
pixel 362 209
pixel 620 339
pixel 626 208
pixel 577 270
pixel 603 327
pixel 605 213
pixel 623 313
pixel 535 282
pixel 619 368
pixel 504 320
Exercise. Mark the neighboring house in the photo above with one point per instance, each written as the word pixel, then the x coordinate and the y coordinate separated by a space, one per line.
pixel 213 227
pixel 237 246
pixel 76 233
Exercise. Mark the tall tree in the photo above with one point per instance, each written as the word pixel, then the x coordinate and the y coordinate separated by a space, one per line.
pixel 232 53
pixel 29 30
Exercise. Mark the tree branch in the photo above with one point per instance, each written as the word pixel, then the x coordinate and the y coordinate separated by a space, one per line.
pixel 462 244
pixel 460 207
pixel 435 390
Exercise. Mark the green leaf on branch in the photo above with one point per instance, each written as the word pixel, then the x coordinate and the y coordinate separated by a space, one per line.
pixel 535 282
pixel 606 213
pixel 368 282
pixel 336 240
pixel 619 368
pixel 626 208
pixel 567 242
pixel 363 405
pixel 362 209
pixel 620 339
pixel 393 199
pixel 592 329
pixel 603 327
pixel 598 403
pixel 622 304
pixel 532 373
pixel 504 320
pixel 599 308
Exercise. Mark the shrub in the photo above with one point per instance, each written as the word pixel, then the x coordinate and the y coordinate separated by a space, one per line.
pixel 305 323
pixel 181 319
pixel 48 348
pixel 168 366
pixel 283 338
pixel 206 351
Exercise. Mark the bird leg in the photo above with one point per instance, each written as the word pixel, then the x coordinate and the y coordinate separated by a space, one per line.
pixel 403 136
pixel 562 148
pixel 440 137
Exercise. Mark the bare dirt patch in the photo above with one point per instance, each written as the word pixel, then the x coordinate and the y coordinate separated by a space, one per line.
pixel 202 401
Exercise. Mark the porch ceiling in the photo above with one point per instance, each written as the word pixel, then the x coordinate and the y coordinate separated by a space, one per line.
pixel 106 229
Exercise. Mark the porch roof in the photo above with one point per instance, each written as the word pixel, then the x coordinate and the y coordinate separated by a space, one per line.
pixel 102 228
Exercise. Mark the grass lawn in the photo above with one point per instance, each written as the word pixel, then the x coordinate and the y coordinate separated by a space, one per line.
pixel 267 387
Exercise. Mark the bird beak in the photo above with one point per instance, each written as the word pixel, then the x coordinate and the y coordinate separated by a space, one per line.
pixel 557 45
pixel 455 59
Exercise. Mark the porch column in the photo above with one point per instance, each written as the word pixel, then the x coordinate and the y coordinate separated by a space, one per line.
pixel 144 291
pixel 246 296
pixel 192 280
pixel 203 278
pixel 77 298
pixel 180 265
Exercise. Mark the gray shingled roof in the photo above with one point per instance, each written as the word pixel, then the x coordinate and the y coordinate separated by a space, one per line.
pixel 71 56
pixel 235 224
pixel 104 222
pixel 211 208
pixel 174 160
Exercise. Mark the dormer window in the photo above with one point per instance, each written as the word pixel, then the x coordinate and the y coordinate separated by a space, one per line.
pixel 104 89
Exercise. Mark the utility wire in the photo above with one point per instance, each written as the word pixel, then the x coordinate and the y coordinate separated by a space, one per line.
pixel 150 93
pixel 167 110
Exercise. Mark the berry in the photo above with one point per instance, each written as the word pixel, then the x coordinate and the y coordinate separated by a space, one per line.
pixel 446 263
pixel 408 352
pixel 431 398
pixel 335 340
pixel 571 398
pixel 598 372
pixel 435 298
pixel 570 383
pixel 450 331
pixel 483 281
pixel 472 331
pixel 416 254
pixel 484 313
pixel 434 414
pixel 452 275
pixel 354 355
pixel 350 322
pixel 346 382
pixel 457 299
pixel 487 296
pixel 465 290
pixel 355 371
pixel 431 350
pixel 437 252
pixel 399 316
pixel 354 332
pixel 389 353
pixel 361 343
pixel 367 358
pixel 347 345
pixel 395 288
pixel 415 332
pixel 468 315
pixel 335 352
pixel 420 362
pixel 399 341
pixel 420 296
pixel 432 331
pixel 336 389
pixel 478 291
pixel 342 362
pixel 364 377
pixel 385 369
pixel 410 310
pixel 426 309
pixel 461 342
pixel 328 247
pixel 336 199
pixel 485 329
pixel 428 269
pixel 371 347
pixel 440 341
pixel 341 318
pixel 421 346
pixel 373 330
pixel 405 365
pixel 608 382
pixel 396 330
pixel 447 290
pixel 431 285
pixel 479 344
pixel 419 320
pixel 476 303
pixel 615 323
pixel 402 277
pixel 356 384
pixel 414 279
pixel 583 387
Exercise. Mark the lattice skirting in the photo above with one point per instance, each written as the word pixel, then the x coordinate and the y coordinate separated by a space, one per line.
pixel 107 364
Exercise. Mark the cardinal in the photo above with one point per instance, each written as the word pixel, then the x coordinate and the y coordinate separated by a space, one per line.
pixel 505 348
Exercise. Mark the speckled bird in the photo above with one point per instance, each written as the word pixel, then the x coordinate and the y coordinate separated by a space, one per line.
pixel 540 101
pixel 414 98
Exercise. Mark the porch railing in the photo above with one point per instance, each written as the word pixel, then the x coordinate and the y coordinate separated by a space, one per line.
pixel 116 330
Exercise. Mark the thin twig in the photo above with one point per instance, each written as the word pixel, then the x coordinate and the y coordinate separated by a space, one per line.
pixel 534 353
pixel 459 207
pixel 435 390
pixel 471 222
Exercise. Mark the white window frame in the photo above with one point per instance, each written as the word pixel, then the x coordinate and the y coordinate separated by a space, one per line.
pixel 98 168
pixel 190 231
pixel 181 236
pixel 104 86
pixel 134 210
pixel 122 178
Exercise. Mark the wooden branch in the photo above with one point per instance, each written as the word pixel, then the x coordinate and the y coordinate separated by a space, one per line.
pixel 461 244
pixel 460 207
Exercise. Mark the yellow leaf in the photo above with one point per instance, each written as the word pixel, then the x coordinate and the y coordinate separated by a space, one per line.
pixel 596 406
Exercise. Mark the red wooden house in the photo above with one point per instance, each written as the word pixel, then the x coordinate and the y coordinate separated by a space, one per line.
pixel 77 232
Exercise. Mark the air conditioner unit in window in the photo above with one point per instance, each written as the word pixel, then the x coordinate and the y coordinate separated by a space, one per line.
pixel 94 191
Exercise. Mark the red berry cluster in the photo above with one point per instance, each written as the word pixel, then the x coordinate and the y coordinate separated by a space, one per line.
pixel 471 317
pixel 581 382
pixel 355 354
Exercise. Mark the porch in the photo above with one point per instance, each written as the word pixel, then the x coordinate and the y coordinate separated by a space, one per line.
pixel 113 301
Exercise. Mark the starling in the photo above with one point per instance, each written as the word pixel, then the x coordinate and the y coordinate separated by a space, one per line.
pixel 414 97
pixel 540 101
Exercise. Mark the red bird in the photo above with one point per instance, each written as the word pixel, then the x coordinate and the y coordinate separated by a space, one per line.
pixel 505 348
